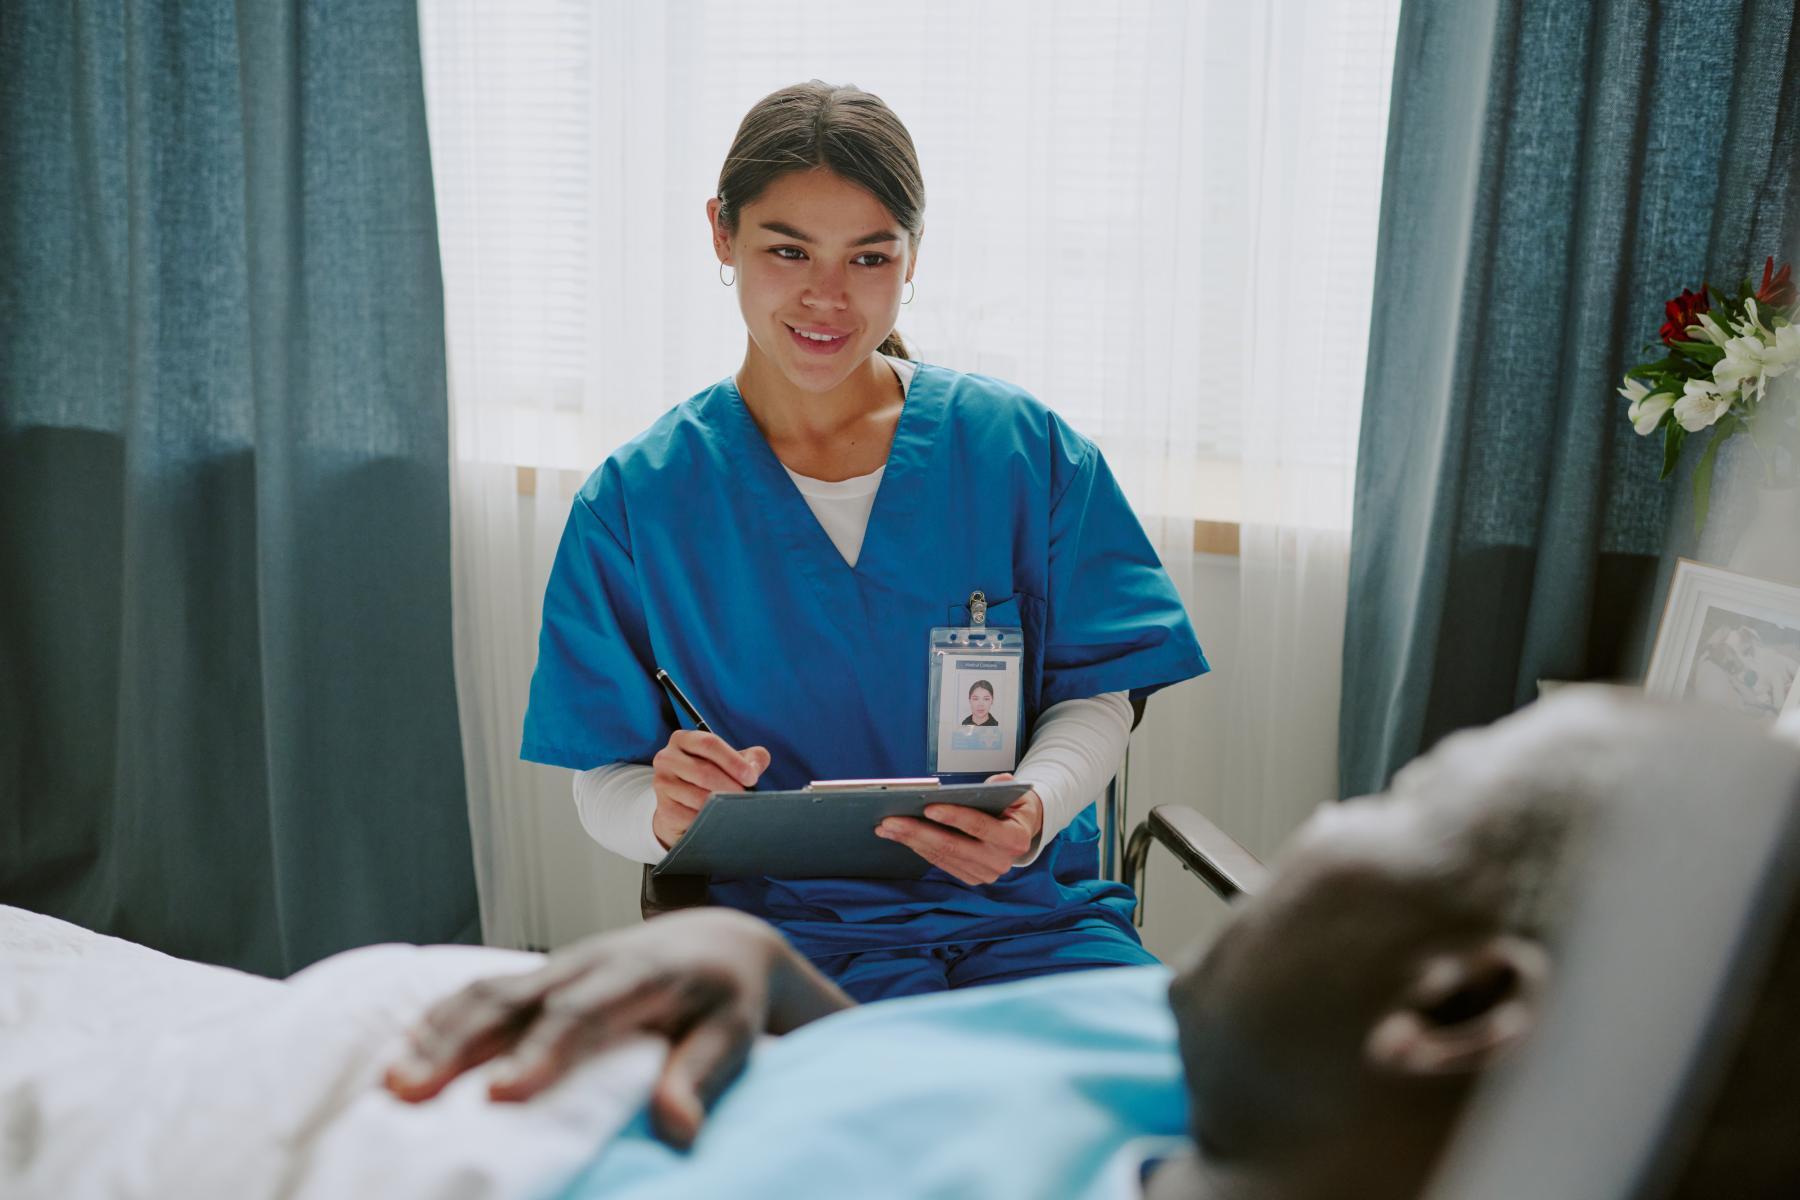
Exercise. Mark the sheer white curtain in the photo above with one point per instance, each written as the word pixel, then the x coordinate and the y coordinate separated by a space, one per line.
pixel 1160 217
pixel 1319 119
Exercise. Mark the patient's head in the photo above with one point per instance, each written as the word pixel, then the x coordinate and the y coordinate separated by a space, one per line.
pixel 1333 1030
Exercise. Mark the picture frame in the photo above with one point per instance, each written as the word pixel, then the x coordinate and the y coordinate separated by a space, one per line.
pixel 1728 641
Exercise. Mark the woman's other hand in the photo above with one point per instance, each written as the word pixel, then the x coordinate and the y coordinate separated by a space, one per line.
pixel 692 767
pixel 967 842
pixel 708 980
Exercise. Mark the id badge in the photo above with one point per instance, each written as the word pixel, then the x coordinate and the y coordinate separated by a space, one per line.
pixel 976 696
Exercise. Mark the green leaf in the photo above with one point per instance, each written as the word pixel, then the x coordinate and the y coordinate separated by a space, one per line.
pixel 1668 377
pixel 1701 352
pixel 1704 472
pixel 1673 435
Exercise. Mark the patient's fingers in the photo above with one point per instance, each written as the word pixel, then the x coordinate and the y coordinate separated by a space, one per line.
pixel 585 1019
pixel 420 1077
pixel 473 1025
pixel 464 1031
pixel 700 981
pixel 700 1066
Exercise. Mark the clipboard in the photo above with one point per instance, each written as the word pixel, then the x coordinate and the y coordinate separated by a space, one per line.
pixel 817 834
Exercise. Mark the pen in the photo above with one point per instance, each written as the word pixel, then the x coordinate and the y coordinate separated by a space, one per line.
pixel 686 705
pixel 681 701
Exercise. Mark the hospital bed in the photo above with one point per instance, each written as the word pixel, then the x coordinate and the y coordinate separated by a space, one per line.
pixel 1667 1059
pixel 1663 1067
pixel 124 1072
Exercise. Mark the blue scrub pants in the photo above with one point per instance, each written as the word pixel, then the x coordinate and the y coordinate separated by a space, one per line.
pixel 883 974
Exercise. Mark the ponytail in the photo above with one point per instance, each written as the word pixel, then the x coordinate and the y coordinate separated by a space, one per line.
pixel 894 347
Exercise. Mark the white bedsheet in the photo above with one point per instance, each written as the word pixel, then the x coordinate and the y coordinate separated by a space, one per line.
pixel 127 1073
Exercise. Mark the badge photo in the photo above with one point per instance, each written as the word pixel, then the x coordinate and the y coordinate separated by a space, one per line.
pixel 976 701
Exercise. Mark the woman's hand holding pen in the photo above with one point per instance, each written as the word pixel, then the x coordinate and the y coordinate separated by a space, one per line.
pixel 966 842
pixel 692 767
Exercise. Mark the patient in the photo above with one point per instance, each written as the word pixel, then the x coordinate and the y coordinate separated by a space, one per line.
pixel 1323 1045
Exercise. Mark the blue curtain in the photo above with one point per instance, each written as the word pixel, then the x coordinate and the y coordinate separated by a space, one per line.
pixel 1555 171
pixel 228 724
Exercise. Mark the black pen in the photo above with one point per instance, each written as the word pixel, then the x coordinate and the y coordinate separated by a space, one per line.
pixel 685 705
pixel 681 701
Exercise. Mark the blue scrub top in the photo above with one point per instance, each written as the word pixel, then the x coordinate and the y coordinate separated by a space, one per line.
pixel 690 548
pixel 1042 1088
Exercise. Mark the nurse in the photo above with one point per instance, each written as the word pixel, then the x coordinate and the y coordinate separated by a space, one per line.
pixel 783 543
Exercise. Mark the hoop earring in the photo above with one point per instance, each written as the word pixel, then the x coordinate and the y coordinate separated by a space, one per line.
pixel 722 279
pixel 907 299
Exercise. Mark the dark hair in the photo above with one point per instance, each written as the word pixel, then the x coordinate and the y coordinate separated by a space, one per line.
pixel 982 683
pixel 846 130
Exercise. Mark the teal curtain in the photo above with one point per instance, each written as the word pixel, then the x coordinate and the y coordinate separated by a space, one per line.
pixel 228 724
pixel 1555 171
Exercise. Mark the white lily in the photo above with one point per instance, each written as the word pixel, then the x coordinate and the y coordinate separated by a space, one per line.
pixel 1702 403
pixel 1787 346
pixel 1647 407
pixel 1751 361
pixel 1708 330
pixel 1752 322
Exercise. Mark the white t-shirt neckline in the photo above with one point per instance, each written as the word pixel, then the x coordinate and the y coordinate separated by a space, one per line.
pixel 842 506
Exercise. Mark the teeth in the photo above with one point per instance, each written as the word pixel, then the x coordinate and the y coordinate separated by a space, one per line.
pixel 815 337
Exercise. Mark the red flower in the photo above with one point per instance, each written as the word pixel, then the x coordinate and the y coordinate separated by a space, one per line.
pixel 1776 288
pixel 1682 311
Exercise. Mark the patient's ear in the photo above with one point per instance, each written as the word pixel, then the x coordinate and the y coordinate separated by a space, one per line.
pixel 1458 1010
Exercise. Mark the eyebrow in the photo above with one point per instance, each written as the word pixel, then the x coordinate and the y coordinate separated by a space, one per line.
pixel 867 239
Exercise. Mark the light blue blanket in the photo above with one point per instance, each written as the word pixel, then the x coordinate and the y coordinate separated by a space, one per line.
pixel 1044 1088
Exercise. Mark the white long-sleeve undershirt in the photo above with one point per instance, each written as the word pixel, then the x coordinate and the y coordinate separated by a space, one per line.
pixel 1076 748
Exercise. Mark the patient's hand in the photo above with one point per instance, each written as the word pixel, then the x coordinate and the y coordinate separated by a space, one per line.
pixel 708 980
pixel 966 842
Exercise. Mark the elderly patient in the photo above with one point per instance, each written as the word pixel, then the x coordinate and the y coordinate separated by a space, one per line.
pixel 1323 1045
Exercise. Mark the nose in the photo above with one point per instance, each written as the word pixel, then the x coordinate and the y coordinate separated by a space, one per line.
pixel 827 287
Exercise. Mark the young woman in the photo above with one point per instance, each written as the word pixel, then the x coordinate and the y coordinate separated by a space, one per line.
pixel 981 704
pixel 783 543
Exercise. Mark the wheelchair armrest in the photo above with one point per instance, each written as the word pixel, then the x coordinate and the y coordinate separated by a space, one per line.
pixel 1200 846
pixel 667 893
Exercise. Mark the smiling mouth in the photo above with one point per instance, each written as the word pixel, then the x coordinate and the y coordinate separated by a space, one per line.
pixel 818 343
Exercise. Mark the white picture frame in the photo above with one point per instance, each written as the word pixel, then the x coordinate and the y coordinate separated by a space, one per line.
pixel 1728 641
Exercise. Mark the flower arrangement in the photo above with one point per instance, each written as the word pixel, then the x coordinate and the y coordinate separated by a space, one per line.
pixel 1732 365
